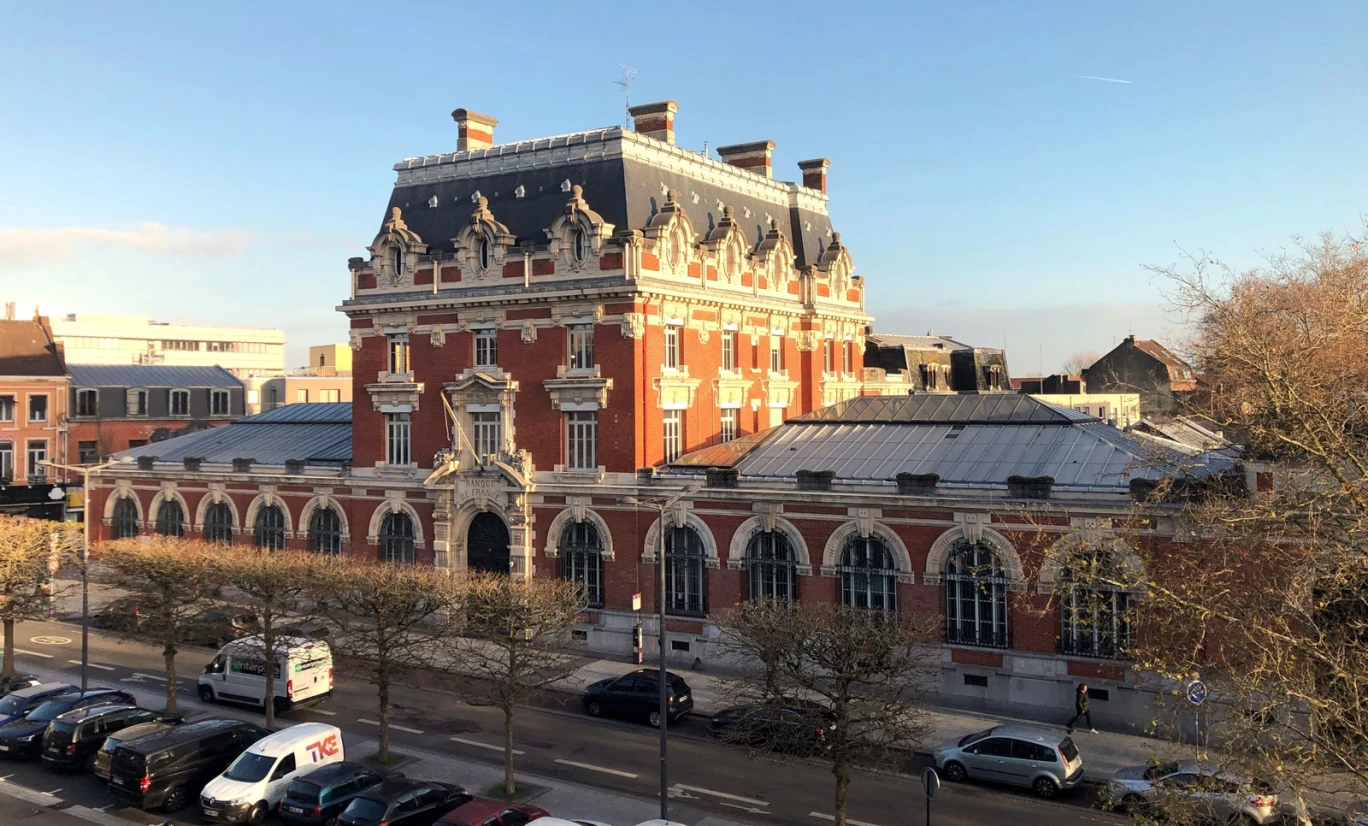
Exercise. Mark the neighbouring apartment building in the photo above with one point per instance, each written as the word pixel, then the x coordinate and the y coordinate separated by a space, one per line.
pixel 544 328
pixel 113 339
pixel 896 365
pixel 118 407
pixel 1146 367
pixel 296 387
pixel 33 417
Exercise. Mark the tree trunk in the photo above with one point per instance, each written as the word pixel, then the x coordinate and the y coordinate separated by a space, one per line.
pixel 510 784
pixel 268 651
pixel 8 669
pixel 382 693
pixel 169 655
pixel 842 784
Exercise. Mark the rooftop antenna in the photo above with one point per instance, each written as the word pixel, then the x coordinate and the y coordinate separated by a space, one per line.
pixel 626 83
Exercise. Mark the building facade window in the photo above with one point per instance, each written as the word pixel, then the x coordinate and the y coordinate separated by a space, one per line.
pixel 37 454
pixel 729 351
pixel 396 539
pixel 170 519
pixel 325 532
pixel 7 462
pixel 674 355
pixel 218 523
pixel 1095 613
pixel 87 403
pixel 770 560
pixel 397 350
pixel 219 402
pixel 581 347
pixel 180 402
pixel 6 408
pixel 398 439
pixel 270 527
pixel 685 577
pixel 975 596
pixel 488 432
pixel 581 440
pixel 869 579
pixel 581 554
pixel 301 396
pixel 124 525
pixel 848 357
pixel 829 351
pixel 87 453
pixel 37 408
pixel 674 435
pixel 776 354
pixel 329 395
pixel 486 254
pixel 580 245
pixel 487 348
pixel 136 402
pixel 729 417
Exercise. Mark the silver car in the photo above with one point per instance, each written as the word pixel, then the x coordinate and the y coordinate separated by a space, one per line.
pixel 1210 792
pixel 1036 758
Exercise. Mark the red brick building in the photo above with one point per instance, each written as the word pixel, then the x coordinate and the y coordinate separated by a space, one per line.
pixel 33 416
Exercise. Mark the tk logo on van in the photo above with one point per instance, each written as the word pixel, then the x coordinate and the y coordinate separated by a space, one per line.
pixel 326 747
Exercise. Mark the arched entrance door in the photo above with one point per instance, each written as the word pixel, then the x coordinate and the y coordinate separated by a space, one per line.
pixel 487 544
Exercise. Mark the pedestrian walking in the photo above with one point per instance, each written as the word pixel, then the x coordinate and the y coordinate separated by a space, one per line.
pixel 1081 708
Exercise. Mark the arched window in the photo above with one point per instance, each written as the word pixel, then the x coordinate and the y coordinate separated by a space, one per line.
pixel 581 554
pixel 770 560
pixel 486 254
pixel 580 245
pixel 398 260
pixel 868 577
pixel 125 518
pixel 170 519
pixel 685 581
pixel 218 523
pixel 270 527
pixel 1094 609
pixel 325 531
pixel 396 539
pixel 975 596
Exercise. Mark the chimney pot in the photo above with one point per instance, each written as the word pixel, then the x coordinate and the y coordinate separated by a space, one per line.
pixel 815 173
pixel 475 131
pixel 655 120
pixel 753 157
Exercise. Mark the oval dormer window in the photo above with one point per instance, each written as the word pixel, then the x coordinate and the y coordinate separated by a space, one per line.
pixel 486 255
pixel 729 263
pixel 672 251
pixel 579 245
pixel 398 261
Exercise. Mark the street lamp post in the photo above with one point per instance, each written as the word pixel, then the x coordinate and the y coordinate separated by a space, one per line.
pixel 662 505
pixel 85 554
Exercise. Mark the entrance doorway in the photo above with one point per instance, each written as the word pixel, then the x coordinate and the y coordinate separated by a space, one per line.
pixel 487 544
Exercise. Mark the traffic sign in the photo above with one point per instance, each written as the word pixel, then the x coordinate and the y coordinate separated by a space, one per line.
pixel 1196 692
pixel 930 782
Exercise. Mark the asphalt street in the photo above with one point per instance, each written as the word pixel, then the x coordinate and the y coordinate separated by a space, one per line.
pixel 556 739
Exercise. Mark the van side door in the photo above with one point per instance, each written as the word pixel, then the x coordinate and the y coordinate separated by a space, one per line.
pixel 280 778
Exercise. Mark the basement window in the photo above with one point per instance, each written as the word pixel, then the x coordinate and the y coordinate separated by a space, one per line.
pixel 978 680
pixel 1101 695
pixel 679 645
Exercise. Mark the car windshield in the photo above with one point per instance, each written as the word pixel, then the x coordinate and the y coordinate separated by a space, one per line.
pixel 11 705
pixel 364 810
pixel 63 728
pixel 47 712
pixel 1161 770
pixel 250 768
pixel 303 791
pixel 974 738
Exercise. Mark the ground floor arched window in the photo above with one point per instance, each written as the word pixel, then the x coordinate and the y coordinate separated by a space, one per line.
pixel 125 522
pixel 218 523
pixel 581 555
pixel 170 519
pixel 869 579
pixel 685 573
pixel 769 558
pixel 396 539
pixel 325 531
pixel 975 596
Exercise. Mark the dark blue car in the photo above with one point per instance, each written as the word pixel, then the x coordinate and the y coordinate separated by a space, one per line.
pixel 15 705
pixel 320 796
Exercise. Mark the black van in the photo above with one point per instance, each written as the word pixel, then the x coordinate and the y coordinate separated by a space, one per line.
pixel 73 739
pixel 168 769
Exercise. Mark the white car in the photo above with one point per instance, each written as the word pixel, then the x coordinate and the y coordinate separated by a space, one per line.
pixel 1212 792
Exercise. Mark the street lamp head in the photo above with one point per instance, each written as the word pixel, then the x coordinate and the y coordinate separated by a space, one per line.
pixel 628 500
pixel 691 488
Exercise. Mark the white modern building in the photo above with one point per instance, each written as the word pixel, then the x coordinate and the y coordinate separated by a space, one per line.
pixel 115 339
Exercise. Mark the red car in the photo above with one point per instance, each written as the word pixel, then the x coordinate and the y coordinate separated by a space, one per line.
pixel 485 812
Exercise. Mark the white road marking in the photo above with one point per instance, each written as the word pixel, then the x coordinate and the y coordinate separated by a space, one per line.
pixel 593 768
pixel 33 653
pixel 832 817
pixel 392 725
pixel 93 665
pixel 738 798
pixel 752 809
pixel 161 677
pixel 52 793
pixel 321 711
pixel 479 745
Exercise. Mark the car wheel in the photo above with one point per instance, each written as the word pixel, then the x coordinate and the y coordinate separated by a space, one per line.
pixel 654 719
pixel 206 694
pixel 1132 802
pixel 258 814
pixel 1045 788
pixel 594 709
pixel 89 764
pixel 175 800
pixel 955 773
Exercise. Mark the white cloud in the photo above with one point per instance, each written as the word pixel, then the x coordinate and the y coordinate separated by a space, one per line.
pixel 30 245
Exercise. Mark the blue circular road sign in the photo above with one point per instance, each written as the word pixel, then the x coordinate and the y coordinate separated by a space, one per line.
pixel 1196 692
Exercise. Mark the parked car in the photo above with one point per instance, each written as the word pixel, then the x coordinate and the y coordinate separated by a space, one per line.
pixel 637 695
pixel 16 704
pixel 1037 758
pixel 1210 792
pixel 219 626
pixel 237 674
pixel 101 765
pixel 796 726
pixel 17 682
pixel 74 739
pixel 254 784
pixel 164 770
pixel 403 802
pixel 319 797
pixel 483 811
pixel 122 614
pixel 23 738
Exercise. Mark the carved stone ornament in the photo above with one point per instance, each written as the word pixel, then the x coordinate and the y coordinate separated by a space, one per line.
pixel 482 243
pixel 437 337
pixel 633 325
pixel 394 250
pixel 575 239
pixel 808 340
pixel 354 339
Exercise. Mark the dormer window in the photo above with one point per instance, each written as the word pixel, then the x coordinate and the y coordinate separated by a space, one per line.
pixel 486 254
pixel 580 245
pixel 398 261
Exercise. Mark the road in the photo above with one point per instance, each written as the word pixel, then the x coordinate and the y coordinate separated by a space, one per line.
pixel 557 741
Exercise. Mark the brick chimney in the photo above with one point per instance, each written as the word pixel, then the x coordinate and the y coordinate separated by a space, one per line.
pixel 655 120
pixel 814 173
pixel 754 157
pixel 476 130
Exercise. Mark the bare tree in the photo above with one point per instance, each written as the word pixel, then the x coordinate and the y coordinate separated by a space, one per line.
pixel 1075 364
pixel 856 674
pixel 516 633
pixel 170 581
pixel 388 619
pixel 31 550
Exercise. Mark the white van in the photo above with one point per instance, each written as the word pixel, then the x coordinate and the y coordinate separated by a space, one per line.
pixel 254 784
pixel 303 673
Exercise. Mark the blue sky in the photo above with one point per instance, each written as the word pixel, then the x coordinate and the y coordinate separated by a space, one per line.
pixel 199 162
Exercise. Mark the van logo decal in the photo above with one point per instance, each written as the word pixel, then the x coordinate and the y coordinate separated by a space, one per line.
pixel 326 747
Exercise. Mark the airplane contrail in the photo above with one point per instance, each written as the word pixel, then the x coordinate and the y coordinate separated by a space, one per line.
pixel 1103 79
